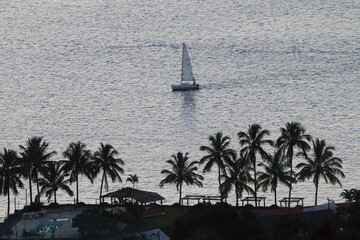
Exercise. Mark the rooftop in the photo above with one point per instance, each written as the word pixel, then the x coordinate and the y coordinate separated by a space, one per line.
pixel 136 194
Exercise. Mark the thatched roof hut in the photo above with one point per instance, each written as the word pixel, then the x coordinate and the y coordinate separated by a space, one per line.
pixel 140 196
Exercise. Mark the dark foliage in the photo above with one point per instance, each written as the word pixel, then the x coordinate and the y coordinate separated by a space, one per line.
pixel 324 232
pixel 290 228
pixel 5 230
pixel 96 223
pixel 54 205
pixel 94 226
pixel 26 234
pixel 34 207
pixel 219 222
pixel 80 204
pixel 350 222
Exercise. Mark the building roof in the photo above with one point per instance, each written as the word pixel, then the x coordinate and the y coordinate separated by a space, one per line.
pixel 138 195
pixel 156 233
pixel 253 199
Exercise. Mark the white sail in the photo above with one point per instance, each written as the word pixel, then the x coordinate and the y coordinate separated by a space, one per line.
pixel 187 74
pixel 187 77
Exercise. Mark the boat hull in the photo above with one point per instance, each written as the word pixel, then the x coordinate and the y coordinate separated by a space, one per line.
pixel 185 87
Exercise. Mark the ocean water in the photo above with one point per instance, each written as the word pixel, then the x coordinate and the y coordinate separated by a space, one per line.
pixel 100 71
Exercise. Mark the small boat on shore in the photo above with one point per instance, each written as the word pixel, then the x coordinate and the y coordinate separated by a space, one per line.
pixel 187 78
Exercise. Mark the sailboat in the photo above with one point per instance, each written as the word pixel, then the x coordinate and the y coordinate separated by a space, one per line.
pixel 187 77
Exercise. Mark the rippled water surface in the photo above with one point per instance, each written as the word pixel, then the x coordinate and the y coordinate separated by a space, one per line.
pixel 100 71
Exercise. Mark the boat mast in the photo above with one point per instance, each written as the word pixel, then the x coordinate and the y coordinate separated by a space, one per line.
pixel 182 63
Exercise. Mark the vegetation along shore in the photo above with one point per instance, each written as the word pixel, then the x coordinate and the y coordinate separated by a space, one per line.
pixel 249 169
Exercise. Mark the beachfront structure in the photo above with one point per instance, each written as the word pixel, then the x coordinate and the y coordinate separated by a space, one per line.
pixel 201 199
pixel 288 201
pixel 146 201
pixel 257 200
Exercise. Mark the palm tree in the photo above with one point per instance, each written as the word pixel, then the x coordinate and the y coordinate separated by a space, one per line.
pixel 33 157
pixel 323 164
pixel 77 163
pixel 104 159
pixel 253 140
pixel 355 195
pixel 133 179
pixel 218 153
pixel 238 175
pixel 10 172
pixel 53 180
pixel 181 172
pixel 275 172
pixel 348 195
pixel 292 136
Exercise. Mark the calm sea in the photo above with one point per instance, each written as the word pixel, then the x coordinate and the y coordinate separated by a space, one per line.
pixel 100 71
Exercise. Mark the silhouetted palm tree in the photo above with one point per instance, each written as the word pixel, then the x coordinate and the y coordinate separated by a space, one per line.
pixel 355 194
pixel 133 179
pixel 105 160
pixel 10 172
pixel 181 172
pixel 253 140
pixel 33 157
pixel 275 172
pixel 78 163
pixel 349 195
pixel 219 153
pixel 54 178
pixel 292 136
pixel 238 175
pixel 322 165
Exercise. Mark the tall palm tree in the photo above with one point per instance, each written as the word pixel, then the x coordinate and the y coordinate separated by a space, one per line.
pixel 292 137
pixel 33 157
pixel 54 178
pixel 133 179
pixel 253 142
pixel 181 172
pixel 105 160
pixel 322 165
pixel 275 172
pixel 10 172
pixel 219 153
pixel 78 163
pixel 238 175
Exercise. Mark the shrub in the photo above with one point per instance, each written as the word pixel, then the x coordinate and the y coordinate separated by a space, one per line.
pixel 94 226
pixel 217 222
pixel 290 228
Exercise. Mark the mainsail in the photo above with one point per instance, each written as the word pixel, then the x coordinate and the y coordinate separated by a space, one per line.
pixel 187 74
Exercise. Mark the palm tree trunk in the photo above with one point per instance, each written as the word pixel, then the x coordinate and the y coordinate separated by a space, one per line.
pixel 77 189
pixel 316 191
pixel 275 196
pixel 221 194
pixel 255 184
pixel 37 186
pixel 101 186
pixel 237 194
pixel 180 193
pixel 55 196
pixel 8 210
pixel 290 155
pixel 30 188
pixel 290 187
